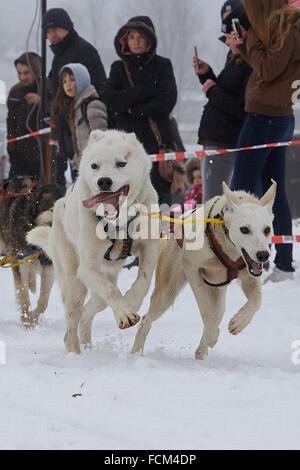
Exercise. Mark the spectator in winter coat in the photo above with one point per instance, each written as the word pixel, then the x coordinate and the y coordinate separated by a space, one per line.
pixel 68 47
pixel 78 102
pixel 272 48
pixel 224 114
pixel 141 86
pixel 23 117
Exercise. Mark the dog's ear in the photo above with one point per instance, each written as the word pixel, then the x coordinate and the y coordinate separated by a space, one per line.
pixel 95 136
pixel 269 197
pixel 231 197
pixel 131 137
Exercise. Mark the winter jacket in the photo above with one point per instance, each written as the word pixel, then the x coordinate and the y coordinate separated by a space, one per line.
pixel 224 114
pixel 269 91
pixel 97 118
pixel 22 118
pixel 74 49
pixel 154 93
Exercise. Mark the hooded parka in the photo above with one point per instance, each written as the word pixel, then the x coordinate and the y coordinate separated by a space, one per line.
pixel 154 93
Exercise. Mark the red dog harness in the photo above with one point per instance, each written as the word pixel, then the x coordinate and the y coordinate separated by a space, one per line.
pixel 5 195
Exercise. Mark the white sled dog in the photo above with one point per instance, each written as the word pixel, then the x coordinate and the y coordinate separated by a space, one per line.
pixel 238 248
pixel 114 172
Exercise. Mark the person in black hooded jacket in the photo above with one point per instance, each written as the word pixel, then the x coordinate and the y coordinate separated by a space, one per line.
pixel 141 86
pixel 224 114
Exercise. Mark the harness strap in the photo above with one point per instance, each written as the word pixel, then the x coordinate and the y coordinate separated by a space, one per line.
pixel 126 246
pixel 233 267
pixel 5 195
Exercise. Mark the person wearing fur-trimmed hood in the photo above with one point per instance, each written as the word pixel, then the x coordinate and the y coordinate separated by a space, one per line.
pixel 141 86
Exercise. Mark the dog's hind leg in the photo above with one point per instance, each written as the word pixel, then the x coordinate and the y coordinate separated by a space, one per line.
pixel 47 280
pixel 22 296
pixel 92 307
pixel 73 296
pixel 211 303
pixel 170 279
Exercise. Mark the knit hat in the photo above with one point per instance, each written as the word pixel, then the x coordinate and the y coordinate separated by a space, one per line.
pixel 240 13
pixel 57 17
pixel 82 77
pixel 229 6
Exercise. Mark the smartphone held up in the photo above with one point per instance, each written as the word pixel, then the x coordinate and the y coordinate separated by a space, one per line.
pixel 236 26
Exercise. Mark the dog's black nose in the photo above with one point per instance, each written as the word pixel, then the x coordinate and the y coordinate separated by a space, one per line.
pixel 105 184
pixel 262 256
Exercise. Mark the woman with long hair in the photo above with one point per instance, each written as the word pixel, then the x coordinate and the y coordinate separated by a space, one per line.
pixel 78 105
pixel 272 48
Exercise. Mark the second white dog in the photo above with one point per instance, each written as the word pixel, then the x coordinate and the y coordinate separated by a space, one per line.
pixel 238 248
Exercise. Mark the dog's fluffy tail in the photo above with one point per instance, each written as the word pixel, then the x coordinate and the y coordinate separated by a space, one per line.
pixel 39 236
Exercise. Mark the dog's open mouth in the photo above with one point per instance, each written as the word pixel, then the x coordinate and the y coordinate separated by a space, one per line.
pixel 112 201
pixel 254 268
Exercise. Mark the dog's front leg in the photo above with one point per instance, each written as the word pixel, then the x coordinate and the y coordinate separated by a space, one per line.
pixel 103 285
pixel 252 290
pixel 148 255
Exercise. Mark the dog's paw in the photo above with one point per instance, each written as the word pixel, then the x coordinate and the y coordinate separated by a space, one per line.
pixel 239 323
pixel 72 343
pixel 128 320
pixel 30 320
pixel 201 353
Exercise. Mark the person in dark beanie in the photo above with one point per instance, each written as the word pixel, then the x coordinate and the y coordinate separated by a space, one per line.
pixel 23 109
pixel 141 93
pixel 68 47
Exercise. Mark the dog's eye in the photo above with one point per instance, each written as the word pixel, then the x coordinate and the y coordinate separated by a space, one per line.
pixel 267 231
pixel 94 166
pixel 121 164
pixel 245 230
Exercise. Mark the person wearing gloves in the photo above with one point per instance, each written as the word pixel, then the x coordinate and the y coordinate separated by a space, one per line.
pixel 141 92
pixel 78 103
pixel 224 114
pixel 272 48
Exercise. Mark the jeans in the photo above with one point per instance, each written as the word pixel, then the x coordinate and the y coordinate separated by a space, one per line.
pixel 254 169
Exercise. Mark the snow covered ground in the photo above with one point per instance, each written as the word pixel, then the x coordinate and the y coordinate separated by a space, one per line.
pixel 245 395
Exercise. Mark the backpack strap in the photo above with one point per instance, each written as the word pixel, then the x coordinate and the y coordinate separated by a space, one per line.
pixel 83 108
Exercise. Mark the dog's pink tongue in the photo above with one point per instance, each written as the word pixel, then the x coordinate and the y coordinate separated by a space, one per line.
pixel 89 203
pixel 256 268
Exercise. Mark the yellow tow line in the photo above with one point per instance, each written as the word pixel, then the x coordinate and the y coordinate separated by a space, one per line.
pixel 14 261
pixel 182 221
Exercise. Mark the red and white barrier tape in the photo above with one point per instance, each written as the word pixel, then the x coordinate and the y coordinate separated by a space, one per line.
pixel 161 157
pixel 277 239
pixel 283 239
pixel 32 134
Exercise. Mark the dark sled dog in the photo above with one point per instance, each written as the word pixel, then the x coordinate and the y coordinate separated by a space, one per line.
pixel 25 204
